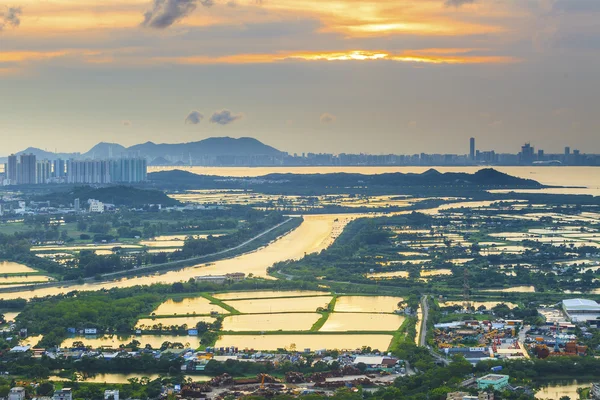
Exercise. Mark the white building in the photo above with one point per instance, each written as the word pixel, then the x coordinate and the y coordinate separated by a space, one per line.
pixel 581 310
pixel 16 393
pixel 96 206
pixel 111 395
pixel 63 394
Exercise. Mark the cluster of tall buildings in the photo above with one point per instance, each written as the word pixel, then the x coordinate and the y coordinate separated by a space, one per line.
pixel 529 156
pixel 25 169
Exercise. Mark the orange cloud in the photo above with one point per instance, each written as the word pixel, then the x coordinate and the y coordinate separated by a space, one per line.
pixel 350 17
pixel 441 57
pixel 23 56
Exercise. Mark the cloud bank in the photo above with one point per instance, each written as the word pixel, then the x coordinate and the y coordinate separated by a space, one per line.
pixel 165 13
pixel 194 118
pixel 224 117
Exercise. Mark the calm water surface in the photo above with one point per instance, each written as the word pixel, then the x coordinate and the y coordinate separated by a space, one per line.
pixel 557 390
pixel 316 233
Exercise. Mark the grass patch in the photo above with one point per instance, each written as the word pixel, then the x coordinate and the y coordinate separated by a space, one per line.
pixel 324 315
pixel 320 322
pixel 403 334
pixel 221 304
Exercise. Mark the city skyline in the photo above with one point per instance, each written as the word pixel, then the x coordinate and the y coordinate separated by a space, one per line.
pixel 469 149
pixel 377 76
pixel 104 166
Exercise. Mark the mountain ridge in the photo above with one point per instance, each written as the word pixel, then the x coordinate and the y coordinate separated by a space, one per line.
pixel 487 177
pixel 175 153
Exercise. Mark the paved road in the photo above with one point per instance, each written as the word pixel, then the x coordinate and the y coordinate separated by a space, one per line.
pixel 425 314
pixel 423 338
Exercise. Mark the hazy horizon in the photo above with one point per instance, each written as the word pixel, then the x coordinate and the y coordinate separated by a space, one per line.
pixel 291 152
pixel 378 77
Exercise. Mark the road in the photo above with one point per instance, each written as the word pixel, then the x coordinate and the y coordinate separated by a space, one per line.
pixel 424 316
pixel 423 332
pixel 522 336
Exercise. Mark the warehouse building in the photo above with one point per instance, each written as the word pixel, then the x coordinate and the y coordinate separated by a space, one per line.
pixel 581 310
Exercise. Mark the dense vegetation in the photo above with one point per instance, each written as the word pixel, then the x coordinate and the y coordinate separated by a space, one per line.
pixel 128 196
pixel 342 182
pixel 114 311
pixel 232 226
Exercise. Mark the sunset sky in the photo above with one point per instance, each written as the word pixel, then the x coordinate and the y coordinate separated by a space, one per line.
pixel 377 76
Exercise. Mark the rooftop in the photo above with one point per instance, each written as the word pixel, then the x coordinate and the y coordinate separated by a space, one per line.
pixel 493 377
pixel 578 303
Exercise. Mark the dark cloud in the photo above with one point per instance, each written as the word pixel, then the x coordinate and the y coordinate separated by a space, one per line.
pixel 458 3
pixel 224 117
pixel 207 3
pixel 165 13
pixel 11 17
pixel 194 118
pixel 327 118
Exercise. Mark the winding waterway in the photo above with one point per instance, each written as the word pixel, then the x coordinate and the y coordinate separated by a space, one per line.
pixel 317 232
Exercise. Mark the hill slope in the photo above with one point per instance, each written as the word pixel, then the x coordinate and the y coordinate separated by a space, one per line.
pixel 482 179
pixel 211 147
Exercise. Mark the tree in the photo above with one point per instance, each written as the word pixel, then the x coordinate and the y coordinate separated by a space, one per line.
pixel 202 327
pixel 45 389
pixel 361 366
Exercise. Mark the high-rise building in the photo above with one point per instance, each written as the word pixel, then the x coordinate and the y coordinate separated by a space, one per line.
pixel 76 205
pixel 472 149
pixel 526 155
pixel 124 170
pixel 43 171
pixel 27 170
pixel 58 168
pixel 11 169
pixel 567 151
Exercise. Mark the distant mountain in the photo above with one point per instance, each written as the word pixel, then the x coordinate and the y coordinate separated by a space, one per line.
pixel 168 153
pixel 222 146
pixel 105 150
pixel 44 154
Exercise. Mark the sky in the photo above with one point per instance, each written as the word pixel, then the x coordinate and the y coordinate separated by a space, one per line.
pixel 374 76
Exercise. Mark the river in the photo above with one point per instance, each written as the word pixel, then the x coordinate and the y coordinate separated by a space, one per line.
pixel 316 233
